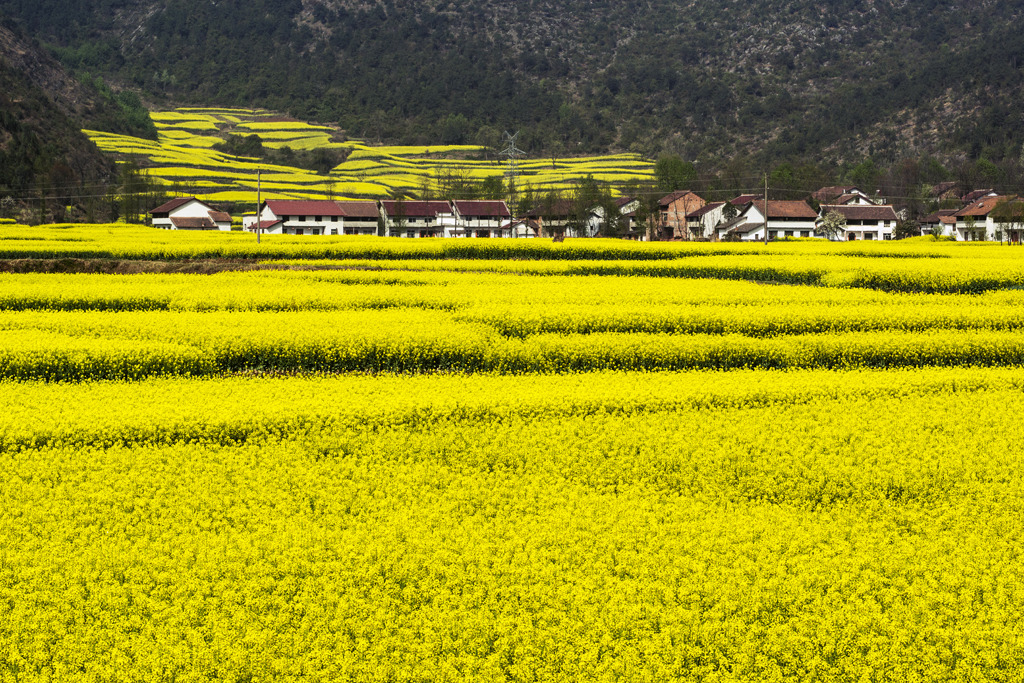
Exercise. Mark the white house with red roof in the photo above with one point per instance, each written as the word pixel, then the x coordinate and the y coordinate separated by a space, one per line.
pixel 624 207
pixel 702 222
pixel 980 220
pixel 841 195
pixel 301 217
pixel 415 218
pixel 785 219
pixel 479 218
pixel 189 213
pixel 359 217
pixel 864 222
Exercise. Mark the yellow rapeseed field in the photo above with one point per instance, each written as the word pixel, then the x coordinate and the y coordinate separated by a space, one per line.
pixel 340 458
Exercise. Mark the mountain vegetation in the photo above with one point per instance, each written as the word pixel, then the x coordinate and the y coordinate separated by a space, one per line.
pixel 46 162
pixel 770 79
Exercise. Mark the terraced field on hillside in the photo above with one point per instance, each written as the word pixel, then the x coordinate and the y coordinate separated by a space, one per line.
pixel 183 158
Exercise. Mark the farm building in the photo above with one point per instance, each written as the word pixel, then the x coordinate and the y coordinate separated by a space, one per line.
pixel 874 222
pixel 188 213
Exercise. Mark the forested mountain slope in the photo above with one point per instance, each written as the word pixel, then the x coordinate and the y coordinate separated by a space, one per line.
pixel 777 79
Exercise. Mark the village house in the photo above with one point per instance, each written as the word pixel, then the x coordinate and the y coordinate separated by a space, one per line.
pixel 980 220
pixel 521 228
pixel 941 222
pixel 943 191
pixel 842 195
pixel 189 213
pixel 702 222
pixel 624 206
pixel 975 195
pixel 785 219
pixel 299 217
pixel 416 218
pixel 552 216
pixel 744 199
pixel 874 222
pixel 359 217
pixel 480 218
pixel 673 209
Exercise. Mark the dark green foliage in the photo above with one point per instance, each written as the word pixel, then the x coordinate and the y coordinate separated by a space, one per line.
pixel 770 80
pixel 672 173
pixel 242 145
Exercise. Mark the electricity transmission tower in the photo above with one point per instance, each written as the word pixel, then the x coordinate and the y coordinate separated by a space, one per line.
pixel 513 153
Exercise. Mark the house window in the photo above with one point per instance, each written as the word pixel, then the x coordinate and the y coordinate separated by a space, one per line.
pixel 298 231
pixel 334 231
pixel 805 233
pixel 410 233
pixel 314 231
pixel 886 236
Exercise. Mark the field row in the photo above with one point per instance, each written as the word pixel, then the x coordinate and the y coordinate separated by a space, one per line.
pixel 802 526
pixel 75 346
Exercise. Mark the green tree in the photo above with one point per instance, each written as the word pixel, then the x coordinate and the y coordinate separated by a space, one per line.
pixel 905 228
pixel 832 225
pixel 672 173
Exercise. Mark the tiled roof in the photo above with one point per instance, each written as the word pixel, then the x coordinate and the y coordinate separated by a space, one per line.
pixel 744 228
pixel 359 209
pixel 940 189
pixel 417 209
pixel 861 212
pixel 622 201
pixel 167 207
pixel 706 209
pixel 474 207
pixel 744 199
pixel 220 216
pixel 560 207
pixel 304 207
pixel 673 196
pixel 267 225
pixel 976 194
pixel 194 223
pixel 828 194
pixel 786 209
pixel 981 207
pixel 733 223
pixel 946 216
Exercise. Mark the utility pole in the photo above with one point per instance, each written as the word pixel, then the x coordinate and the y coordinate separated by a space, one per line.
pixel 258 202
pixel 513 153
pixel 766 208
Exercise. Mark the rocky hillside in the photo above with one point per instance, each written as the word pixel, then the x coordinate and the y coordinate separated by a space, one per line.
pixel 43 152
pixel 770 79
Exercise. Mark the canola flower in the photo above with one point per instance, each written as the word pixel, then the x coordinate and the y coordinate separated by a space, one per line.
pixel 510 460
pixel 667 526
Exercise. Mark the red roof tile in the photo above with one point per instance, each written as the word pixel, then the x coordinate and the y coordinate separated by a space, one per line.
pixel 194 223
pixel 674 196
pixel 472 207
pixel 304 207
pixel 744 199
pixel 707 208
pixel 829 194
pixel 976 194
pixel 982 207
pixel 862 212
pixel 786 209
pixel 175 203
pixel 220 216
pixel 359 209
pixel 417 209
